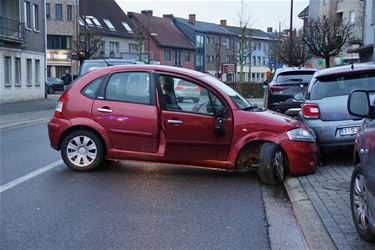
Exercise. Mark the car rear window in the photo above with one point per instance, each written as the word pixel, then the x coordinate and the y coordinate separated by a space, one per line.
pixel 294 77
pixel 91 89
pixel 341 85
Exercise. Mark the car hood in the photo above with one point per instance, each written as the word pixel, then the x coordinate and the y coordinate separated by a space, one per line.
pixel 268 121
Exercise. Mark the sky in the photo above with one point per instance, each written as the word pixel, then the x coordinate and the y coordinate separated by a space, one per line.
pixel 260 13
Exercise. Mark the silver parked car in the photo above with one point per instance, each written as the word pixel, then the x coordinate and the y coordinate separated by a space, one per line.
pixel 325 105
pixel 362 188
pixel 187 91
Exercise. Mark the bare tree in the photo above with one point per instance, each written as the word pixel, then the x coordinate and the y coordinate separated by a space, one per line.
pixel 293 51
pixel 85 45
pixel 326 37
pixel 139 37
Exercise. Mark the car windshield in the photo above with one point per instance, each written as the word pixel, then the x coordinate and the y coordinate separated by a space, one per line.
pixel 240 101
pixel 294 77
pixel 341 85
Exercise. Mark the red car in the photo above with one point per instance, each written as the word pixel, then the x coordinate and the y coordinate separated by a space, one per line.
pixel 131 112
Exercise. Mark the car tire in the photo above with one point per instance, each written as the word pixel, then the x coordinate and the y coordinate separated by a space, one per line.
pixel 358 205
pixel 195 100
pixel 271 169
pixel 82 150
pixel 51 90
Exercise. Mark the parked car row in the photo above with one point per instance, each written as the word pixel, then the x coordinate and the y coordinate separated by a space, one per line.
pixel 336 105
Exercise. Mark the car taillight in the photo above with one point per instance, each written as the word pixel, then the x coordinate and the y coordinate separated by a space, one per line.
pixel 59 106
pixel 197 88
pixel 311 111
pixel 179 87
pixel 278 88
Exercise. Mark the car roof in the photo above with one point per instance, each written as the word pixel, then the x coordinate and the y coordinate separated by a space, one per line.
pixel 152 67
pixel 346 69
pixel 291 69
pixel 110 60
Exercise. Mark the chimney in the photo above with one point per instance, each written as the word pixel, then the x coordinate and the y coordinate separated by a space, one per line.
pixel 192 18
pixel 223 23
pixel 269 30
pixel 168 16
pixel 147 12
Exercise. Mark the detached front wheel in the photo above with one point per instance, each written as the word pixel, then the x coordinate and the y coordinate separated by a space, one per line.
pixel 82 150
pixel 272 164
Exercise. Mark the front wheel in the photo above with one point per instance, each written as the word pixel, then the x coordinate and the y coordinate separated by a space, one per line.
pixel 359 206
pixel 82 150
pixel 272 164
pixel 51 90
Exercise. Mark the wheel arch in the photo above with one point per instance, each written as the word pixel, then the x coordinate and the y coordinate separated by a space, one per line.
pixel 87 128
pixel 250 152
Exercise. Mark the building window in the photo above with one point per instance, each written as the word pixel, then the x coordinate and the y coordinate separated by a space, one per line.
pixel 264 61
pixel 58 42
pixel 258 60
pixel 200 41
pixel 253 76
pixel 227 43
pixel 262 76
pixel 254 62
pixel 177 59
pixel 58 10
pixel 27 15
pixel 36 17
pixel 227 58
pixel 101 48
pixel 167 55
pixel 69 12
pixel 109 24
pixel 8 71
pixel 187 56
pixel 48 10
pixel 29 74
pixel 133 47
pixel 114 47
pixel 127 27
pixel 37 73
pixel 18 71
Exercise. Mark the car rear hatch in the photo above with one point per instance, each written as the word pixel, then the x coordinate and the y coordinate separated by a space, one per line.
pixel 289 84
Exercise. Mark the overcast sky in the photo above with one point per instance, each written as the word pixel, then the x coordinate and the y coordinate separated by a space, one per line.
pixel 262 13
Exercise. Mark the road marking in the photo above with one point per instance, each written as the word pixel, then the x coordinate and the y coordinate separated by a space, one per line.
pixel 27 177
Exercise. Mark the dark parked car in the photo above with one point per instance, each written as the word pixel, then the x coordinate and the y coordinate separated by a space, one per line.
pixel 131 112
pixel 362 191
pixel 100 63
pixel 325 110
pixel 54 84
pixel 285 91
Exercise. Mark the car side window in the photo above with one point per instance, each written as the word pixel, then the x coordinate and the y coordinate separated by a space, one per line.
pixel 186 96
pixel 129 87
pixel 91 89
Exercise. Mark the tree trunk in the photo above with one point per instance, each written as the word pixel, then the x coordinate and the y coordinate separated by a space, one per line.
pixel 327 62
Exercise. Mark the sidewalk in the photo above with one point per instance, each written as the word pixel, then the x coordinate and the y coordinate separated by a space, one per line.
pixel 21 113
pixel 328 190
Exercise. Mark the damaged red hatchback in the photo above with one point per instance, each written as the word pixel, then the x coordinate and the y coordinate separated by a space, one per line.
pixel 131 112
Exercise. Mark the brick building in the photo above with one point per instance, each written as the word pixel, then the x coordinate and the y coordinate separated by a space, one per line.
pixel 164 43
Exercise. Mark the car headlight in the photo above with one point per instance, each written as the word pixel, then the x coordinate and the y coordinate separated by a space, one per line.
pixel 300 134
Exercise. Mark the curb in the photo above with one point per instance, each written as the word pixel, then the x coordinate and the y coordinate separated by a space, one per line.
pixel 25 123
pixel 313 229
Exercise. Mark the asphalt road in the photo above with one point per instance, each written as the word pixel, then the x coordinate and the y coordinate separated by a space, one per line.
pixel 126 205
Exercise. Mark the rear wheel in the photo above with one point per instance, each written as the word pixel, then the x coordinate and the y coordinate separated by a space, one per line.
pixel 51 90
pixel 272 164
pixel 359 206
pixel 82 150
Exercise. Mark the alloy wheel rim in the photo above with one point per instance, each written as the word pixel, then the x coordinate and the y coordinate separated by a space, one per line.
pixel 360 202
pixel 81 151
pixel 279 164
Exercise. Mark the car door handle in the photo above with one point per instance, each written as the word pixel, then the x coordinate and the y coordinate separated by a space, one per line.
pixel 175 122
pixel 105 110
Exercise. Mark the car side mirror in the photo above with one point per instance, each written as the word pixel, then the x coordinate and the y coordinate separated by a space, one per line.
pixel 220 112
pixel 359 104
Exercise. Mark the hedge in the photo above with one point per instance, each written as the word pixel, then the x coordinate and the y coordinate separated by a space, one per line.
pixel 248 89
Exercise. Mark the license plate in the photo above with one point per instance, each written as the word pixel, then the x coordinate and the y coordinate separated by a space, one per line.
pixel 348 131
